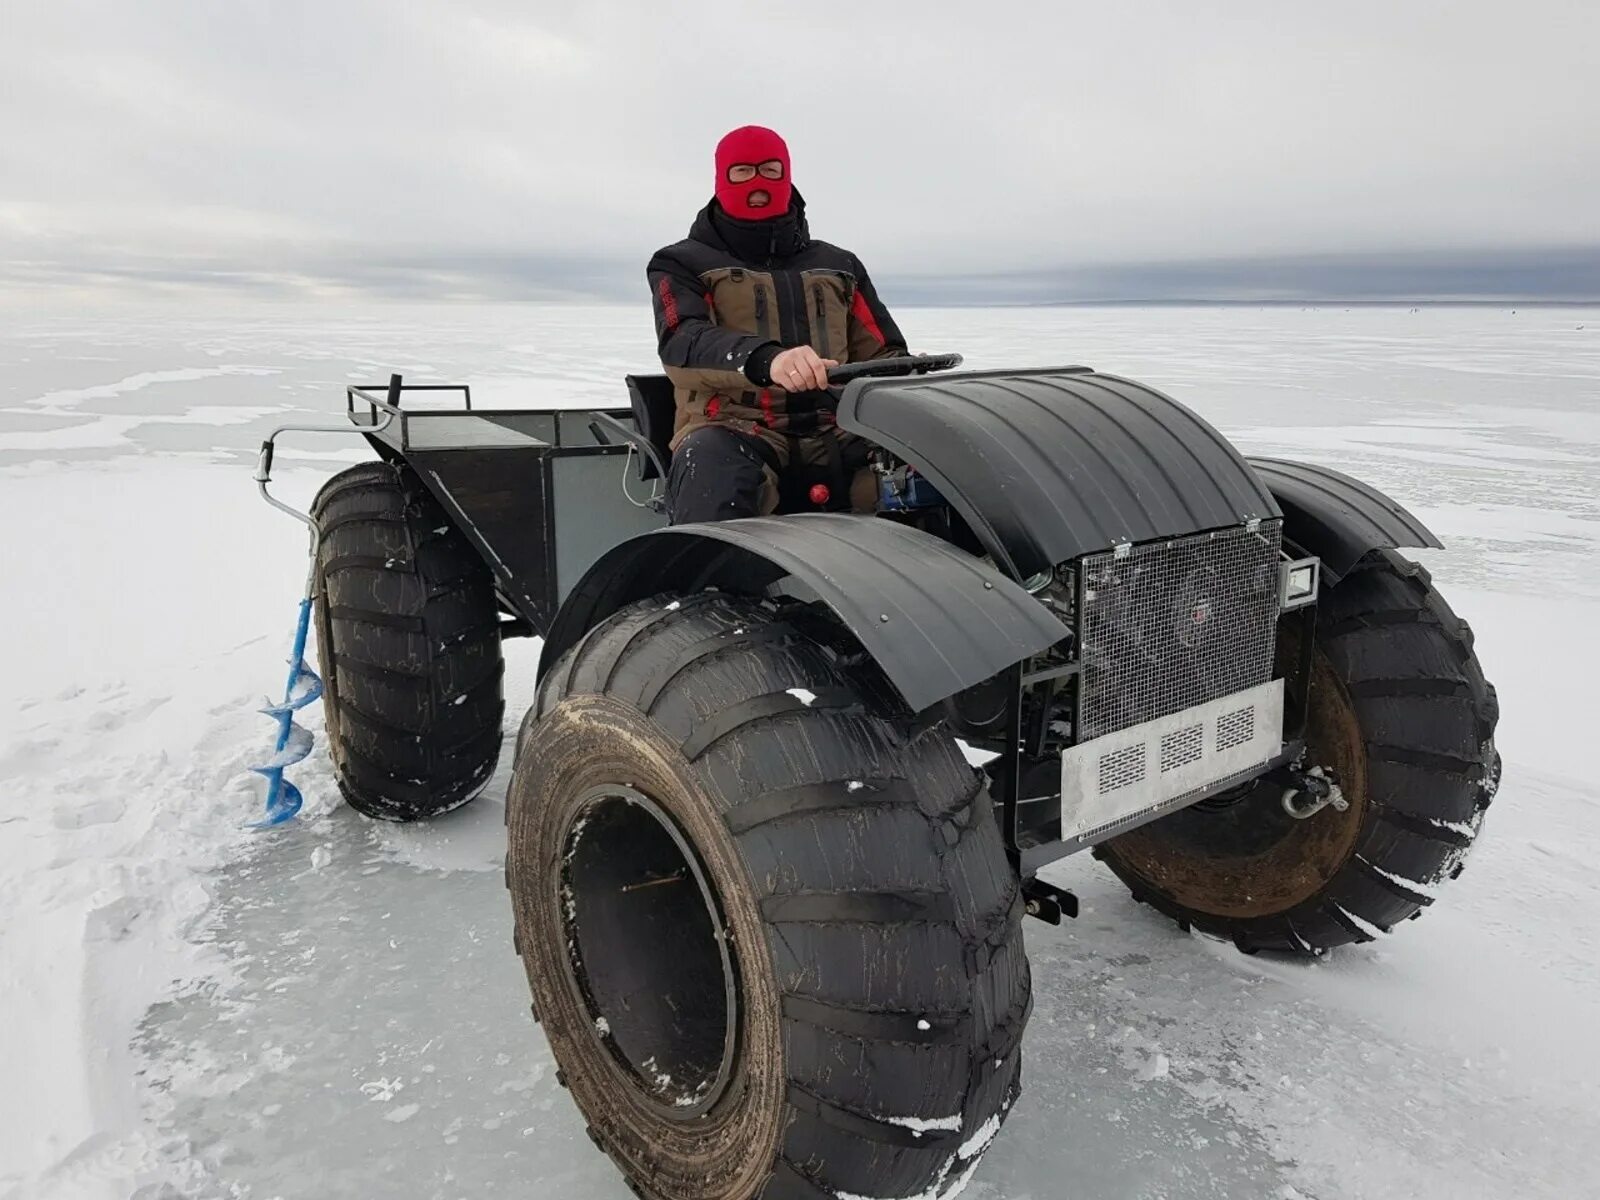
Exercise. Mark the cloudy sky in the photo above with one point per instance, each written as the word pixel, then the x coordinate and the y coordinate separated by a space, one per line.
pixel 1041 150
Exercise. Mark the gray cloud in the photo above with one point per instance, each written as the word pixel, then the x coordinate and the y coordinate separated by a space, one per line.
pixel 1053 150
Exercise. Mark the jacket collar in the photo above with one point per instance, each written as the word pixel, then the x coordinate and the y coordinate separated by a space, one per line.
pixel 762 243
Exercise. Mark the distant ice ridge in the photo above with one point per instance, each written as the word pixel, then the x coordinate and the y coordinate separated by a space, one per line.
pixel 62 401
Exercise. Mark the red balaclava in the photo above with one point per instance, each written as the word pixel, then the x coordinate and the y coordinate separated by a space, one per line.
pixel 746 150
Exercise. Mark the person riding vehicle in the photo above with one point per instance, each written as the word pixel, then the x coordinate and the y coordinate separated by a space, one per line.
pixel 751 311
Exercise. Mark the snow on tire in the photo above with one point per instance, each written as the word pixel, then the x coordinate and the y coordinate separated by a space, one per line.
pixel 408 638
pixel 1402 715
pixel 768 921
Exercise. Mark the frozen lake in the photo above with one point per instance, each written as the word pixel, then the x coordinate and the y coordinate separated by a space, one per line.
pixel 333 1009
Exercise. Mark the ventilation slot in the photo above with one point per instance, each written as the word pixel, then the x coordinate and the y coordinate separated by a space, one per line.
pixel 1236 728
pixel 1182 747
pixel 1121 768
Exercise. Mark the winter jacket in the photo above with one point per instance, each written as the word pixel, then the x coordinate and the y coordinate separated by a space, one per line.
pixel 733 294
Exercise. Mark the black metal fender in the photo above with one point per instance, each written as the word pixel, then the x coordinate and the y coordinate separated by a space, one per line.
pixel 1337 518
pixel 1045 465
pixel 936 619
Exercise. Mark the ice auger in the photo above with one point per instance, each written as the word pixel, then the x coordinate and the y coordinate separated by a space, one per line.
pixel 304 686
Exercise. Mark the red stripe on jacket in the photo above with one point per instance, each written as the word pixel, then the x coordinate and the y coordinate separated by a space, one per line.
pixel 669 303
pixel 861 312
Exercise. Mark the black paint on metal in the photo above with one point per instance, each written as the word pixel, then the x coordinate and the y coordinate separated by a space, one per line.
pixel 1337 518
pixel 500 500
pixel 1046 465
pixel 1048 902
pixel 936 619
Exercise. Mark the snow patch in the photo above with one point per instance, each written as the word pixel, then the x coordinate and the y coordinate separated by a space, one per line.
pixel 1411 885
pixel 383 1089
pixel 921 1125
pixel 980 1139
pixel 975 756
pixel 967 1157
pixel 1156 1067
pixel 657 1076
pixel 1365 927
pixel 806 697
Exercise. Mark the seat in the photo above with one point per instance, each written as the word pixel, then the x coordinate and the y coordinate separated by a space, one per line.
pixel 655 411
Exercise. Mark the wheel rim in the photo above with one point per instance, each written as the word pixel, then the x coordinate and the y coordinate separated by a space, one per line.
pixel 648 953
pixel 1248 858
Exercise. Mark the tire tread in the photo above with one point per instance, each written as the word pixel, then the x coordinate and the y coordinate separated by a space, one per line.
pixel 408 636
pixel 715 673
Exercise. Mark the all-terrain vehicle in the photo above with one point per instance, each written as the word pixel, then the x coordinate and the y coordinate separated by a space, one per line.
pixel 769 910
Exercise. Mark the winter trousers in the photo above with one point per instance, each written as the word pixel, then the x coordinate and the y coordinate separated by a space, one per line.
pixel 718 473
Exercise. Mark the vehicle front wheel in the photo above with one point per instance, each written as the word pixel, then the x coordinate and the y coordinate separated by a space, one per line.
pixel 768 922
pixel 1403 720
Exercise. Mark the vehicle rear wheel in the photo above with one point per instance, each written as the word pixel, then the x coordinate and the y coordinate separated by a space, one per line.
pixel 768 922
pixel 1403 719
pixel 408 638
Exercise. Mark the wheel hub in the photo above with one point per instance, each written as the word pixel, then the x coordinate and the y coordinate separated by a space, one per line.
pixel 648 952
pixel 1251 851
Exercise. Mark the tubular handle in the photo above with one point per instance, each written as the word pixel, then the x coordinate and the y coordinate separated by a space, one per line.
pixel 906 364
pixel 264 463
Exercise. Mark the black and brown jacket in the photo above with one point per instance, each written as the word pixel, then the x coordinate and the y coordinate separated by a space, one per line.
pixel 733 294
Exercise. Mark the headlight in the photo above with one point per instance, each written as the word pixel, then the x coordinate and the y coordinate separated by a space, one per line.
pixel 1299 582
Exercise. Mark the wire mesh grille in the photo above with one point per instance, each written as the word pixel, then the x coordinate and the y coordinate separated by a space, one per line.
pixel 1168 625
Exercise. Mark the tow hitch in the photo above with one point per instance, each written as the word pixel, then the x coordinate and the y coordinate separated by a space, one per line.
pixel 1048 902
pixel 1309 792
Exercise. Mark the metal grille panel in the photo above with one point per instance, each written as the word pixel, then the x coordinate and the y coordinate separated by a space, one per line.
pixel 1113 782
pixel 1165 626
pixel 1235 728
pixel 1182 747
pixel 1121 768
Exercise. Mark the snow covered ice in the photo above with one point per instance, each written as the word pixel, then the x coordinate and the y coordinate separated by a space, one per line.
pixel 332 1008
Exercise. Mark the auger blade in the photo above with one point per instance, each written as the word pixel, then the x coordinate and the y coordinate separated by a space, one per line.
pixel 294 741
pixel 293 745
pixel 283 802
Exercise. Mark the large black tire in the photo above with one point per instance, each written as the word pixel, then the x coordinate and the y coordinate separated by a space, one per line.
pixel 862 1037
pixel 408 637
pixel 1402 715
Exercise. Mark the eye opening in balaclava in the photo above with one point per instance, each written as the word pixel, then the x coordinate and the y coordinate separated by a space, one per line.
pixel 753 174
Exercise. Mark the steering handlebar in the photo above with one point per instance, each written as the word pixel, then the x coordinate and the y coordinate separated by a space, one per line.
pixel 907 364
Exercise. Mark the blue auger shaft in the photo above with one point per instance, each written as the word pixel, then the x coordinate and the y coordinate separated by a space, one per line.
pixel 283 798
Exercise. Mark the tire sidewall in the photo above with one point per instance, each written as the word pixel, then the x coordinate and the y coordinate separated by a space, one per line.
pixel 583 743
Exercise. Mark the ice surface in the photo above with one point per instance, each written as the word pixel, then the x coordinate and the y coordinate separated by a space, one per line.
pixel 332 1008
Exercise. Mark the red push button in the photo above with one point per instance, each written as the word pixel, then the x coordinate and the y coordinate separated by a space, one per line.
pixel 820 494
